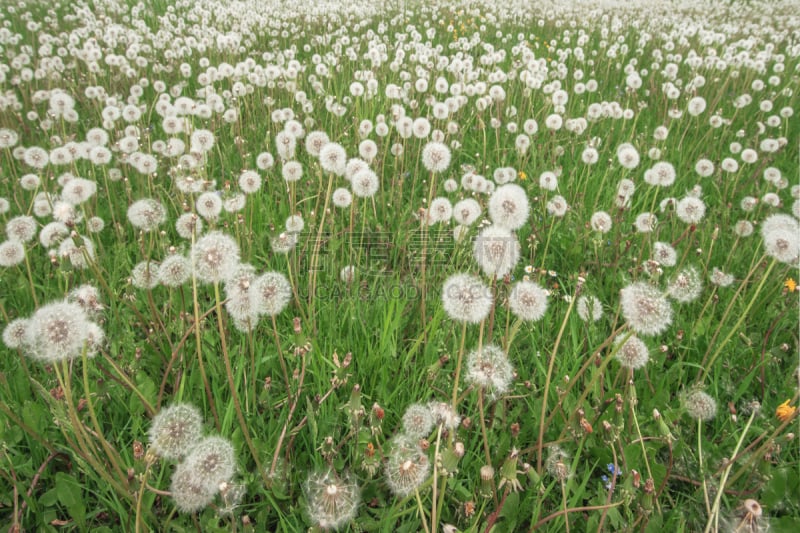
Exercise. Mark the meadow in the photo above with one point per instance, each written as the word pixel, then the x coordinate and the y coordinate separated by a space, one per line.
pixel 441 266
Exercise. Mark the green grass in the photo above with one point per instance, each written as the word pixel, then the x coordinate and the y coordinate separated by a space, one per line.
pixel 74 435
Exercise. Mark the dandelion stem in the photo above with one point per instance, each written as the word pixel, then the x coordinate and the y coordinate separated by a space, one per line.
pixel 700 463
pixel 199 349
pixel 314 268
pixel 742 317
pixel 713 519
pixel 633 402
pixel 483 427
pixel 759 453
pixel 281 359
pixel 421 511
pixel 113 456
pixel 435 477
pixel 143 485
pixel 551 364
pixel 458 365
pixel 232 384
pixel 30 279
pixel 564 503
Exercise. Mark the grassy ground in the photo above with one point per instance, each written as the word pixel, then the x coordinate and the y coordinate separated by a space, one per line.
pixel 363 401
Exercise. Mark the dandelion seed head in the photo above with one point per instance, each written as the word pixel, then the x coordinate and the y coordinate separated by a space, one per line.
pixel 489 368
pixel 601 222
pixel 466 211
pixel 211 461
pixel 645 309
pixel 57 331
pixel 509 207
pixel 528 300
pixel 700 405
pixel 147 214
pixel 15 333
pixel 496 250
pixel 690 209
pixel 270 293
pixel 188 492
pixel 466 298
pixel 664 254
pixel 332 500
pixel 589 308
pixel 685 286
pixel 631 352
pixel 781 235
pixel 214 257
pixel 12 253
pixel 175 430
pixel 407 467
pixel 436 157
pixel 417 421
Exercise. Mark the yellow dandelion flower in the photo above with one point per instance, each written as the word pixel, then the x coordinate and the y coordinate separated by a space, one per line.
pixel 522 175
pixel 790 284
pixel 785 411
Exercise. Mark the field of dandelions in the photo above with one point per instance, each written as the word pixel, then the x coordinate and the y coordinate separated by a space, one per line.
pixel 438 266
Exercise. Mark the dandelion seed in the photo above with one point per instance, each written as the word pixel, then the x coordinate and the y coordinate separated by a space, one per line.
pixel 407 467
pixel 489 368
pixel 686 286
pixel 781 235
pixel 145 275
pixel 211 461
pixel 645 222
pixel 601 222
pixel 250 182
pixel 418 421
pixel 21 228
pixel 589 308
pixel 188 491
pixel 77 253
pixel 147 214
pixel 700 405
pixel 188 225
pixel 209 205
pixel 466 298
pixel 664 254
pixel 749 518
pixel 556 465
pixel 557 206
pixel 628 156
pixel 743 228
pixel 332 501
pixel 341 198
pixel 690 210
pixel 15 334
pixel 333 158
pixel 175 430
pixel 12 253
pixel 645 309
pixel 214 257
pixel 496 251
pixel 466 211
pixel 528 300
pixel 270 293
pixel 632 353
pixel 439 211
pixel 78 190
pixel 443 414
pixel 436 157
pixel 509 207
pixel 57 331
pixel 365 183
